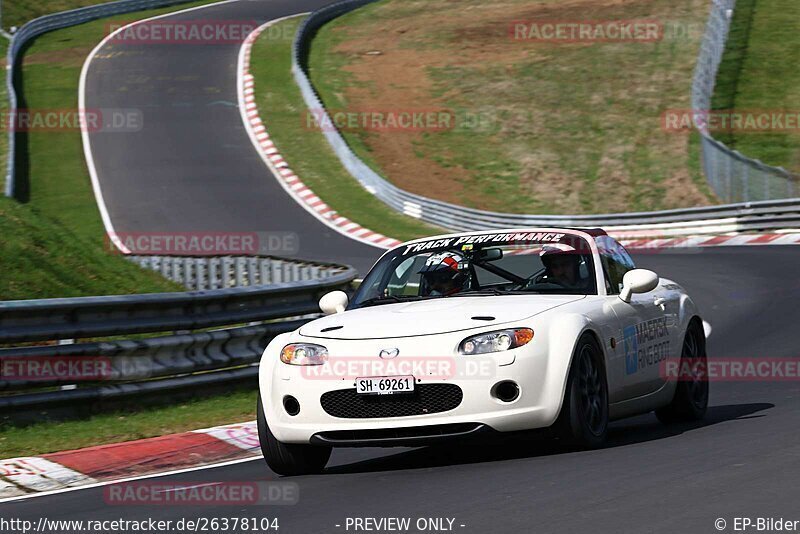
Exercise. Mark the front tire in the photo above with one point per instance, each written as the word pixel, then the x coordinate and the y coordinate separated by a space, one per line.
pixel 690 401
pixel 289 458
pixel 583 421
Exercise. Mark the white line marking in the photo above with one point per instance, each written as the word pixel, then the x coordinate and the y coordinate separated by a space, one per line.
pixel 87 147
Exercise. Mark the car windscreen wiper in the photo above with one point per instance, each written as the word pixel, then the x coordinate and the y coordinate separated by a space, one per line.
pixel 388 299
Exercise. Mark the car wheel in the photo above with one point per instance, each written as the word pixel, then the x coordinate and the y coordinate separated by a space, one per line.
pixel 690 401
pixel 289 458
pixel 583 421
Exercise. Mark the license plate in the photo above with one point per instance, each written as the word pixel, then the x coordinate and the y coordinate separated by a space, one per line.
pixel 385 385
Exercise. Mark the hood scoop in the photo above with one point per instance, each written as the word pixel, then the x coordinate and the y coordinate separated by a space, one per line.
pixel 332 328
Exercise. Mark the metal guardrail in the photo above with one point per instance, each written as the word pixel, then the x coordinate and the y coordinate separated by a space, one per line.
pixel 201 273
pixel 47 23
pixel 162 363
pixel 733 176
pixel 728 218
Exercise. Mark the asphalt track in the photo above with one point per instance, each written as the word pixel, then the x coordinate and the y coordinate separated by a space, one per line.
pixel 192 166
pixel 743 461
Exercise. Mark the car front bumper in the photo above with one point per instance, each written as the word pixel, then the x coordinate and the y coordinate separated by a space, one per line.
pixel 540 394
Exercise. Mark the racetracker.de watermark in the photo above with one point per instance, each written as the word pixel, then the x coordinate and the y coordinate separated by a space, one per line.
pixel 396 120
pixel 155 493
pixel 732 369
pixel 732 121
pixel 603 31
pixel 206 243
pixel 107 120
pixel 49 368
pixel 585 31
pixel 189 32
pixel 422 367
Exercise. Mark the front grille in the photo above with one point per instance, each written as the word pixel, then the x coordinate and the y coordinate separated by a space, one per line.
pixel 426 399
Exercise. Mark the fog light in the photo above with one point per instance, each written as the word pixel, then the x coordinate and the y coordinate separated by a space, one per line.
pixel 507 391
pixel 291 405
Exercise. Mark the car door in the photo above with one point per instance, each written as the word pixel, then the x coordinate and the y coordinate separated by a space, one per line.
pixel 643 339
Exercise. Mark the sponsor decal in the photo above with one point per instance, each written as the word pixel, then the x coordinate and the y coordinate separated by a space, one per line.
pixel 646 344
pixel 471 240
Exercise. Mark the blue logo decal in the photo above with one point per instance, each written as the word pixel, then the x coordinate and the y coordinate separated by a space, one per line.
pixel 631 350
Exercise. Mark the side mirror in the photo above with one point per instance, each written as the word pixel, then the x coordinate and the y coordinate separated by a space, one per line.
pixel 637 281
pixel 333 302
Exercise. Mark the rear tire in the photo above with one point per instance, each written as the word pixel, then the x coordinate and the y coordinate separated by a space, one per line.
pixel 690 401
pixel 583 421
pixel 289 458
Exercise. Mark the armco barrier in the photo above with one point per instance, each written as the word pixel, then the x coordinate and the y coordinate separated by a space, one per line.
pixel 746 216
pixel 203 273
pixel 48 23
pixel 191 357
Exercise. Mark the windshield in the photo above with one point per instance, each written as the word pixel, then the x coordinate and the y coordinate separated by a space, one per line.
pixel 481 264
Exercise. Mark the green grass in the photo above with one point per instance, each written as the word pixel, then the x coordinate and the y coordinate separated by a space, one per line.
pixel 18 12
pixel 40 258
pixel 116 427
pixel 759 72
pixel 307 151
pixel 566 128
pixel 54 245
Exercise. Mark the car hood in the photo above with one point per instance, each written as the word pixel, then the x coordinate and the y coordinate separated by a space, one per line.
pixel 435 316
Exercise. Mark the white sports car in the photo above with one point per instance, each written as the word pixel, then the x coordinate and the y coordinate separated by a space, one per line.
pixel 496 331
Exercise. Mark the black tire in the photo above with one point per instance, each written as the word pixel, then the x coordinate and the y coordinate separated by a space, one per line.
pixel 690 401
pixel 583 421
pixel 289 458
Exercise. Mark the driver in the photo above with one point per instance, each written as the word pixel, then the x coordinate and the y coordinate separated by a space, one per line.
pixel 443 274
pixel 562 267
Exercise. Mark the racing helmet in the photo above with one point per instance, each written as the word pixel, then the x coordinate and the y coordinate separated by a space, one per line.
pixel 563 254
pixel 443 269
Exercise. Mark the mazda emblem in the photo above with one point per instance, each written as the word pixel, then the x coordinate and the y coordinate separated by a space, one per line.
pixel 388 354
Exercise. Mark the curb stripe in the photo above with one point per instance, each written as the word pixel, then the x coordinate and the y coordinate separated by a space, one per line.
pixel 292 183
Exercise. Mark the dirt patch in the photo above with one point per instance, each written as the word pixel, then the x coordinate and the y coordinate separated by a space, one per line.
pixel 62 57
pixel 577 126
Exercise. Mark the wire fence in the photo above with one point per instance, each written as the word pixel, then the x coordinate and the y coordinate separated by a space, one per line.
pixel 733 176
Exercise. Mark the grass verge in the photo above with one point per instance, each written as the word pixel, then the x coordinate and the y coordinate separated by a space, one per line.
pixel 307 151
pixel 40 258
pixel 758 73
pixel 540 127
pixel 17 13
pixel 54 244
pixel 126 426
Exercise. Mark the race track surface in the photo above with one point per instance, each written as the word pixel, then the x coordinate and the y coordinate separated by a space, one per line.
pixel 743 461
pixel 192 167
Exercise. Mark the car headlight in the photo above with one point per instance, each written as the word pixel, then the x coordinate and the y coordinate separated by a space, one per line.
pixel 304 354
pixel 498 341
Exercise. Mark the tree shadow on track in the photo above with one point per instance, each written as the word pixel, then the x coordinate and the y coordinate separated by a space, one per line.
pixel 530 445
